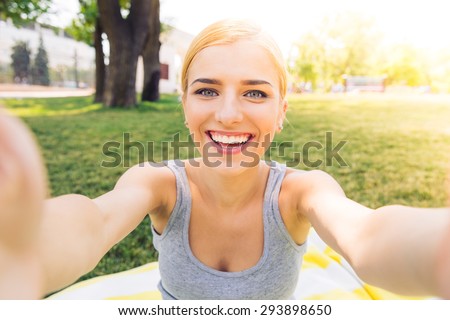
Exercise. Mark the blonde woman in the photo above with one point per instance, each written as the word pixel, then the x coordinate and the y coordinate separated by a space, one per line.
pixel 226 225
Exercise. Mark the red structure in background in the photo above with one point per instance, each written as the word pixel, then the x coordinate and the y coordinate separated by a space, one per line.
pixel 364 83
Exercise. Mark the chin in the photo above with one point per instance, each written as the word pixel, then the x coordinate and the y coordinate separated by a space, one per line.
pixel 232 163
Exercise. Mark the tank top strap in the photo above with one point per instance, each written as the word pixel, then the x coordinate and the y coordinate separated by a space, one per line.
pixel 183 200
pixel 271 204
pixel 276 176
pixel 178 168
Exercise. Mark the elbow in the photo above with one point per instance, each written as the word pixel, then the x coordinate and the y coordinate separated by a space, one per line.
pixel 371 244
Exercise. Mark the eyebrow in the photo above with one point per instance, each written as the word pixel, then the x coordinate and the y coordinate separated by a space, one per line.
pixel 244 82
pixel 255 82
pixel 207 81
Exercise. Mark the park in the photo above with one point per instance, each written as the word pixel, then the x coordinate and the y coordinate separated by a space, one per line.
pixel 376 118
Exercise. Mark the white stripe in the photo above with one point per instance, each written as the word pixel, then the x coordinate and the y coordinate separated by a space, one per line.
pixel 314 281
pixel 113 286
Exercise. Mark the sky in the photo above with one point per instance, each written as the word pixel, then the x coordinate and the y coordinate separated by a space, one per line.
pixel 424 23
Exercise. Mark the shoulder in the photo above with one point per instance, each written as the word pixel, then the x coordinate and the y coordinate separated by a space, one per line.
pixel 146 173
pixel 155 179
pixel 310 181
pixel 301 186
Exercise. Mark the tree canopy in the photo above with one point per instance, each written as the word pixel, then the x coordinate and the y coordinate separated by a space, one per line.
pixel 82 28
pixel 352 44
pixel 22 11
pixel 342 44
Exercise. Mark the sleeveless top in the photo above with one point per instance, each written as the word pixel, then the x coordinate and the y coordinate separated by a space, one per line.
pixel 184 277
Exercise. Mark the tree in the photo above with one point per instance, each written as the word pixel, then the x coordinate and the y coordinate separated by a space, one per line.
pixel 87 28
pixel 100 67
pixel 405 66
pixel 75 68
pixel 439 66
pixel 150 55
pixel 40 74
pixel 127 37
pixel 341 44
pixel 132 28
pixel 21 11
pixel 305 67
pixel 21 61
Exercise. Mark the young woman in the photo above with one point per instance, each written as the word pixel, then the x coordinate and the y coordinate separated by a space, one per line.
pixel 226 225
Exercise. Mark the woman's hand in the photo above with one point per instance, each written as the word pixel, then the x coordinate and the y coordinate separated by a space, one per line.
pixel 22 191
pixel 443 265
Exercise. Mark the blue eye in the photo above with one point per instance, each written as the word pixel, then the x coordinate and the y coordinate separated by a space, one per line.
pixel 206 92
pixel 255 94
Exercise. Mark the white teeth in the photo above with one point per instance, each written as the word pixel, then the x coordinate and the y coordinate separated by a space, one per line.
pixel 229 139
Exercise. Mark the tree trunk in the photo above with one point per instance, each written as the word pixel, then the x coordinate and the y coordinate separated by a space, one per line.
pixel 100 68
pixel 126 39
pixel 152 69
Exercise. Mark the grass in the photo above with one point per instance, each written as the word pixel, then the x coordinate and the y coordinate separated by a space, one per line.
pixel 397 149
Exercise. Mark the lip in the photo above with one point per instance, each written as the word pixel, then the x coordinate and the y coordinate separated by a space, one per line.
pixel 229 150
pixel 229 134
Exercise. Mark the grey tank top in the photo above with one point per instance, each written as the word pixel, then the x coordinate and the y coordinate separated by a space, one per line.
pixel 185 277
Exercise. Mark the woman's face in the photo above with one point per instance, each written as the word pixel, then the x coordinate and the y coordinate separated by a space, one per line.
pixel 232 104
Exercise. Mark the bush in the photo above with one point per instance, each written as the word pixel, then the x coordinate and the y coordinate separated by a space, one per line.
pixel 40 73
pixel 21 62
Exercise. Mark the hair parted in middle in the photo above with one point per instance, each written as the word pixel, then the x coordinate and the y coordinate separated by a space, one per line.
pixel 230 31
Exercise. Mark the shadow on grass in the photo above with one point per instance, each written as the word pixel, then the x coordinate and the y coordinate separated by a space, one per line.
pixel 47 107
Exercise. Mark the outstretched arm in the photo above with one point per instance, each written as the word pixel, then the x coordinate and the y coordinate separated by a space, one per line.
pixel 399 248
pixel 46 245
pixel 409 248
pixel 76 232
pixel 22 189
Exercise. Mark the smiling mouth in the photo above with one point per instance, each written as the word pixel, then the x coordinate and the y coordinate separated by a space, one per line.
pixel 229 141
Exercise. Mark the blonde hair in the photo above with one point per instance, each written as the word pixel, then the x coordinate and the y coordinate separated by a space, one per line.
pixel 227 32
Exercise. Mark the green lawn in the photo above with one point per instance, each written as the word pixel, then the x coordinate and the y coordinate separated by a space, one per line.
pixel 397 148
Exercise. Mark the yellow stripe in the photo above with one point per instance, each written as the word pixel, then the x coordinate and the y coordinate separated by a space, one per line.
pixel 142 269
pixel 313 258
pixel 381 294
pixel 145 268
pixel 333 255
pixel 339 294
pixel 148 295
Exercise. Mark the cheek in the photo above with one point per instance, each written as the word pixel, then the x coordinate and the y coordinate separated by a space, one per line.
pixel 195 108
pixel 195 118
pixel 265 119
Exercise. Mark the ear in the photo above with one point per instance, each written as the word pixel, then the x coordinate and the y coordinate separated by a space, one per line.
pixel 282 114
pixel 284 107
pixel 182 99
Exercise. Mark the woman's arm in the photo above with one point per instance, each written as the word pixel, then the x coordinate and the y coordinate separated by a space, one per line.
pixel 45 245
pixel 77 232
pixel 22 190
pixel 406 246
pixel 399 248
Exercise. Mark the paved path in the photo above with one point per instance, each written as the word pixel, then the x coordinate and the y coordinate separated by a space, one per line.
pixel 25 91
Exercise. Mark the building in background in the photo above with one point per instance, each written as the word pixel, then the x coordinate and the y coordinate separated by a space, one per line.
pixel 174 44
pixel 68 59
pixel 364 83
pixel 72 63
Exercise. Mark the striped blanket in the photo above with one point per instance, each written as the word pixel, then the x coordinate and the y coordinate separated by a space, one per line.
pixel 325 275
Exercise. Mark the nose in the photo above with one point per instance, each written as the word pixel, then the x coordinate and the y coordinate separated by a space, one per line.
pixel 229 111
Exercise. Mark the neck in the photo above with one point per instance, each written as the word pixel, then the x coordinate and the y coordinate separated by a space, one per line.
pixel 228 188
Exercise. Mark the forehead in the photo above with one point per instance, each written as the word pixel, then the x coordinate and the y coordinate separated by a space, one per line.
pixel 243 59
